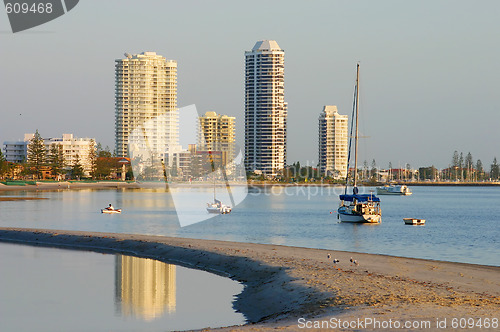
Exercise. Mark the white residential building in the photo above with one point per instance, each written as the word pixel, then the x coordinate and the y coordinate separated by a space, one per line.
pixel 265 108
pixel 146 103
pixel 333 138
pixel 73 148
pixel 16 151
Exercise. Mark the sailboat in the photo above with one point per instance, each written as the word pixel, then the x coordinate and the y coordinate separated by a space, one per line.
pixel 216 207
pixel 355 207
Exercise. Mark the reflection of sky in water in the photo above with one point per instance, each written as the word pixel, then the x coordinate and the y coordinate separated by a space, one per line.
pixel 46 289
pixel 462 222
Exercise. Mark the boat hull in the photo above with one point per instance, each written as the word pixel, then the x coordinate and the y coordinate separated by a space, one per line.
pixel 385 192
pixel 414 221
pixel 224 209
pixel 111 211
pixel 361 219
pixel 394 190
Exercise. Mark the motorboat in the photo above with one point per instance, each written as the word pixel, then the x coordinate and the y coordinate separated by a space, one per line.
pixel 394 190
pixel 355 207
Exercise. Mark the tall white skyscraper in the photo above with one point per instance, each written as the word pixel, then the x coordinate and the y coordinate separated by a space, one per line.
pixel 265 108
pixel 333 137
pixel 146 99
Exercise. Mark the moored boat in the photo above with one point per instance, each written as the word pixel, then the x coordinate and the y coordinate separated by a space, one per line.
pixel 218 208
pixel 358 208
pixel 414 221
pixel 394 190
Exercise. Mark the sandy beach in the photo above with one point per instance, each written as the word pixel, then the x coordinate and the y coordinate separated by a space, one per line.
pixel 291 288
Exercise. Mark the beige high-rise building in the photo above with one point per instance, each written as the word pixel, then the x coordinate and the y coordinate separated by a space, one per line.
pixel 216 133
pixel 146 99
pixel 333 137
pixel 265 108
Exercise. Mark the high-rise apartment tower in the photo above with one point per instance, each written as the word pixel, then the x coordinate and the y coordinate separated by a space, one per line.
pixel 332 148
pixel 146 100
pixel 216 133
pixel 265 108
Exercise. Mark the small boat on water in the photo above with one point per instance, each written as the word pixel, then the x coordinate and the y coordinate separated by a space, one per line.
pixel 218 208
pixel 394 190
pixel 358 208
pixel 414 221
pixel 110 209
pixel 106 210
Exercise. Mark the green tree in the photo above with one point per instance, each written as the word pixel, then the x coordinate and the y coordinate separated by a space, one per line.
pixel 455 163
pixel 428 173
pixel 373 171
pixel 77 169
pixel 56 159
pixel 390 171
pixel 36 154
pixel 495 170
pixel 479 170
pixel 93 158
pixel 106 153
pixel 98 148
pixel 469 165
pixel 4 166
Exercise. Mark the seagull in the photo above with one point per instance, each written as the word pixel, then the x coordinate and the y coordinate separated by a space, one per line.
pixel 355 262
pixel 335 261
pixel 328 256
pixel 351 260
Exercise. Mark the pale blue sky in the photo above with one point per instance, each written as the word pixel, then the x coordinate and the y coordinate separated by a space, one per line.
pixel 430 70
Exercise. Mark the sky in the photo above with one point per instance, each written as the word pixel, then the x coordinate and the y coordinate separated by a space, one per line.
pixel 429 81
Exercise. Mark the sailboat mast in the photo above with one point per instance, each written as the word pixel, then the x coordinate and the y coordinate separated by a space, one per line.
pixel 356 132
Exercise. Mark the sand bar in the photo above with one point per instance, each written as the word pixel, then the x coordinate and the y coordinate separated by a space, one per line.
pixel 64 185
pixel 283 284
pixel 9 199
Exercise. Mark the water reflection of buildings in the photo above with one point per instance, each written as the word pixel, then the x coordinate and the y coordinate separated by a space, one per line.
pixel 144 288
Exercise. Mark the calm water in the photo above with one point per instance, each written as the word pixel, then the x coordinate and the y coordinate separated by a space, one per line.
pixel 463 223
pixel 46 289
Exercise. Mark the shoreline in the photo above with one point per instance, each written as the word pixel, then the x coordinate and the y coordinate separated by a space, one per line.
pixel 284 283
pixel 70 185
pixel 75 185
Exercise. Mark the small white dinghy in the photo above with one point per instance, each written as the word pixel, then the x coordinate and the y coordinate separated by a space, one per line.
pixel 414 221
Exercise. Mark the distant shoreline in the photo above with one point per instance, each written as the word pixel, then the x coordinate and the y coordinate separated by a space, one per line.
pixel 77 185
pixel 283 284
